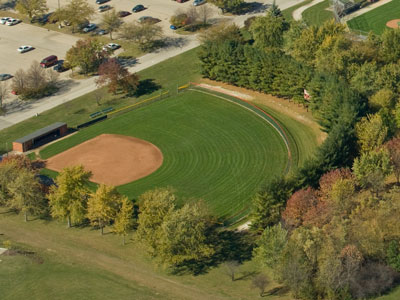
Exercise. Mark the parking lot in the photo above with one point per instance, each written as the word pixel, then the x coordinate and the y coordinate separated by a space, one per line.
pixel 45 42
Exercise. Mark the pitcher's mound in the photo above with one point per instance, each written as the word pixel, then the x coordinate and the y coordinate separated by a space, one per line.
pixel 393 23
pixel 113 159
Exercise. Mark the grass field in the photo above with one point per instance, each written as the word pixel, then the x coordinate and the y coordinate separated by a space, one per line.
pixel 317 14
pixel 213 150
pixel 375 20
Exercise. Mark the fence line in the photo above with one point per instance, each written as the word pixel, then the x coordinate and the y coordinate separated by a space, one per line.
pixel 136 104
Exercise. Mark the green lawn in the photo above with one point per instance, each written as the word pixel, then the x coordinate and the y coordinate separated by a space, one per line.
pixel 287 13
pixel 213 149
pixel 21 277
pixel 375 20
pixel 317 14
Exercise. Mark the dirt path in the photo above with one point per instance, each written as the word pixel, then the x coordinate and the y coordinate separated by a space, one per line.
pixel 75 248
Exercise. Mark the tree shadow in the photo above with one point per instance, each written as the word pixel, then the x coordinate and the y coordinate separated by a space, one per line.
pixel 127 61
pixel 230 246
pixel 278 291
pixel 252 8
pixel 247 275
pixel 146 86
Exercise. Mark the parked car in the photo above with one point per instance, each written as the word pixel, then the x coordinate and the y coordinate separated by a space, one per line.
pixel 24 49
pixel 148 20
pixel 49 61
pixel 90 27
pixel 111 46
pixel 4 20
pixel 5 77
pixel 101 32
pixel 173 27
pixel 199 2
pixel 104 8
pixel 60 66
pixel 181 1
pixel 101 1
pixel 123 13
pixel 12 22
pixel 138 8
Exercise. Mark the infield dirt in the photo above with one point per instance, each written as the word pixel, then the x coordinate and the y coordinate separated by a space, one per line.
pixel 113 159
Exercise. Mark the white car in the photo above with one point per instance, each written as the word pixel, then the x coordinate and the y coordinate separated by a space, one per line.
pixel 111 46
pixel 23 49
pixel 4 20
pixel 12 22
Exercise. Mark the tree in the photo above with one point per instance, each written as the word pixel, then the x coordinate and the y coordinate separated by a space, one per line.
pixel 268 204
pixel 4 93
pixel 67 199
pixel 76 12
pixel 228 5
pixel 371 132
pixel 185 235
pixel 32 8
pixel 146 35
pixel 205 13
pixel 371 169
pixel 111 21
pixel 390 48
pixel 87 54
pixel 393 146
pixel 268 31
pixel 260 281
pixel 221 32
pixel 102 206
pixel 231 267
pixel 98 96
pixel 8 172
pixel 384 98
pixel 270 247
pixel 115 76
pixel 123 220
pixel 26 195
pixel 298 205
pixel 155 205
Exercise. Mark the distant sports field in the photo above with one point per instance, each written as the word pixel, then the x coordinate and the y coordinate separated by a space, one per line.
pixel 213 149
pixel 375 20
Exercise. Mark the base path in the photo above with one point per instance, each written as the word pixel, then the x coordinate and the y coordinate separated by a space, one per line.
pixel 297 14
pixel 113 159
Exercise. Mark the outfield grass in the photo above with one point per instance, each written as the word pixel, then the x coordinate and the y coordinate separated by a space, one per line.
pixel 287 13
pixel 375 20
pixel 317 14
pixel 213 150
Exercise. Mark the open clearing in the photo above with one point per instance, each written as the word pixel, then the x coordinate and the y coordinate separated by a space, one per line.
pixel 376 19
pixel 213 150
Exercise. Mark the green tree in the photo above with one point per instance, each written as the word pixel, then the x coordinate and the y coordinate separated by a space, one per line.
pixel 221 32
pixel 111 21
pixel 32 8
pixel 87 54
pixel 268 31
pixel 390 48
pixel 270 247
pixel 123 221
pixel 76 12
pixel 102 206
pixel 154 207
pixel 228 5
pixel 185 235
pixel 268 204
pixel 68 197
pixel 393 146
pixel 146 35
pixel 371 132
pixel 384 98
pixel 371 169
pixel 26 195
pixel 8 171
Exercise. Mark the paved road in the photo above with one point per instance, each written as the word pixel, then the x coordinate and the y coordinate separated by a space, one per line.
pixel 297 14
pixel 82 87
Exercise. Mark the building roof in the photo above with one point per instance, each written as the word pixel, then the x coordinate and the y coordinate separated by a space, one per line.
pixel 40 132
